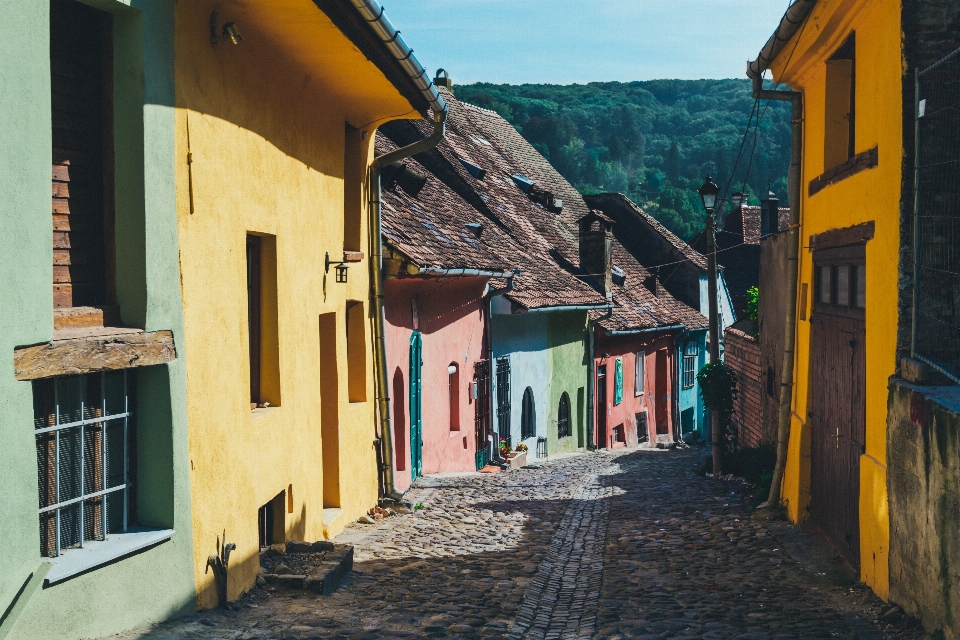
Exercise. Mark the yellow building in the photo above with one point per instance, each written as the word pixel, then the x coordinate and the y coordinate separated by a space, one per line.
pixel 276 106
pixel 845 58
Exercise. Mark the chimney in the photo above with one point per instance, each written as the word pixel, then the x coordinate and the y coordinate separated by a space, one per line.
pixel 769 215
pixel 738 199
pixel 443 80
pixel 596 249
pixel 653 282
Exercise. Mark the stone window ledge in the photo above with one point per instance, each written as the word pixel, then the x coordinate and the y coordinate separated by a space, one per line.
pixel 89 351
pixel 860 162
pixel 96 554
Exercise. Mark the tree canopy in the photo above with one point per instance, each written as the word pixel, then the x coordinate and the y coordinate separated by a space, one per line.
pixel 654 141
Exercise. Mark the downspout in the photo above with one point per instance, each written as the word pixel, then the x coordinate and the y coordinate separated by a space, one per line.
pixel 793 257
pixel 373 13
pixel 592 377
pixel 488 309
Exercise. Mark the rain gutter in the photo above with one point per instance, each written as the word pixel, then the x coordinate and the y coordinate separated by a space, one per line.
pixel 373 13
pixel 572 307
pixel 480 273
pixel 633 332
pixel 791 23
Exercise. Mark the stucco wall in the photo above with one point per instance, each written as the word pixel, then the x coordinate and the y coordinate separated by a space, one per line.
pixel 266 123
pixel 158 583
pixel 924 481
pixel 566 337
pixel 625 348
pixel 771 312
pixel 870 195
pixel 451 325
pixel 523 338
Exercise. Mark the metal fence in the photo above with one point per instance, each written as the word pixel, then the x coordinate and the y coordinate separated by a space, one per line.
pixel 936 303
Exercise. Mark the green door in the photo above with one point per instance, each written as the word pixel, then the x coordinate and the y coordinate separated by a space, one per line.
pixel 416 405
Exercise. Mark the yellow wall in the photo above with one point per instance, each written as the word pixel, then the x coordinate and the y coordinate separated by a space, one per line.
pixel 265 127
pixel 870 195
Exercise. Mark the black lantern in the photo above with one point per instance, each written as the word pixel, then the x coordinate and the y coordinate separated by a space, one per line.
pixel 340 269
pixel 708 193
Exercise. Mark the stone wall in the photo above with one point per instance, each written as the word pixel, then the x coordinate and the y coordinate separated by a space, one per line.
pixel 923 445
pixel 742 354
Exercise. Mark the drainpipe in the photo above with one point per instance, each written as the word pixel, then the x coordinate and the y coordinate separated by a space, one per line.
pixel 592 377
pixel 793 244
pixel 373 13
pixel 488 309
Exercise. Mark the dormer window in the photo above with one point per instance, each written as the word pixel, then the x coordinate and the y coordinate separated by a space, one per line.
pixel 477 172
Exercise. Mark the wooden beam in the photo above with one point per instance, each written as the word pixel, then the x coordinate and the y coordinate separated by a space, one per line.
pixel 91 354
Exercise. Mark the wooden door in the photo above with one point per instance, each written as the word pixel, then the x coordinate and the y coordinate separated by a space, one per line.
pixel 481 410
pixel 416 405
pixel 837 407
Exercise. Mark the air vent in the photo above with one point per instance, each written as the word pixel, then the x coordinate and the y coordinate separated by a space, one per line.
pixel 546 198
pixel 473 169
pixel 399 173
pixel 619 277
pixel 525 184
pixel 475 228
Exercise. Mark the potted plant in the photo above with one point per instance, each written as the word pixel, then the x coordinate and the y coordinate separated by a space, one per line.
pixel 521 448
pixel 504 450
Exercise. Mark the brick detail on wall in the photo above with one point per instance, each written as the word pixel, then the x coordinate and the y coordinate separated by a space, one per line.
pixel 742 354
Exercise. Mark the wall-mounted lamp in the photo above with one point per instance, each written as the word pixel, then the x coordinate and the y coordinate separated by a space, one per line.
pixel 229 31
pixel 340 269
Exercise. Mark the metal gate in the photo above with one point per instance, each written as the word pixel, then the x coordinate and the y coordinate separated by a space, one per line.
pixel 481 409
pixel 837 412
pixel 503 399
pixel 416 405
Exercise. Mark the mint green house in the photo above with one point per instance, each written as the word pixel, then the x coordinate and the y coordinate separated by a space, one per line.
pixel 95 513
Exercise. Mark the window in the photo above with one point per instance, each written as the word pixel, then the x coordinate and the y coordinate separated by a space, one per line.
pixel 841 285
pixel 262 324
pixel 563 416
pixel 639 369
pixel 691 351
pixel 84 436
pixel 80 53
pixel 618 382
pixel 356 351
pixel 453 382
pixel 354 170
pixel 528 416
pixel 839 132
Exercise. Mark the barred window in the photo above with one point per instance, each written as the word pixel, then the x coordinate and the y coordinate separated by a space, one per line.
pixel 690 352
pixel 84 431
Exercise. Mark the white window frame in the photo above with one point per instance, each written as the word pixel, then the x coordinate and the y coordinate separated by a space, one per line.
pixel 639 371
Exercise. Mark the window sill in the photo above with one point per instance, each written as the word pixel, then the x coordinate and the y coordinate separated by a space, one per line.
pixel 260 412
pixel 94 555
pixel 860 162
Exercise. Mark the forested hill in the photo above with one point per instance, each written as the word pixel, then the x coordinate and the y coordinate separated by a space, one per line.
pixel 653 140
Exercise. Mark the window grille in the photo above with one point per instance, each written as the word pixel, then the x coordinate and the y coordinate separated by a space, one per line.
pixel 83 429
pixel 936 291
pixel 563 417
pixel 690 352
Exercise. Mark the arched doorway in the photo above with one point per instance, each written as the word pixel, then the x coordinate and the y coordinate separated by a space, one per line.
pixel 416 405
pixel 528 416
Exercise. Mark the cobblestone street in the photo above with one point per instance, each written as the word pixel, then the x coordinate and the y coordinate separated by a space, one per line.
pixel 628 545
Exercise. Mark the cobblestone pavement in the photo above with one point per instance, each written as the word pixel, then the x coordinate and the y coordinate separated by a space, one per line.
pixel 599 545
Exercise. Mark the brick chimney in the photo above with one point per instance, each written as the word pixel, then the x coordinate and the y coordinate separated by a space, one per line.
pixel 769 214
pixel 596 249
pixel 652 282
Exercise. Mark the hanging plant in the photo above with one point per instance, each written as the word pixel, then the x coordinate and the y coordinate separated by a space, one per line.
pixel 718 388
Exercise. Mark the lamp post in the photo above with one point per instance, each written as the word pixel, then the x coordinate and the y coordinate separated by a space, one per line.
pixel 708 194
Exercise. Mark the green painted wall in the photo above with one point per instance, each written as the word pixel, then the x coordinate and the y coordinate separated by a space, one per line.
pixel 567 353
pixel 157 583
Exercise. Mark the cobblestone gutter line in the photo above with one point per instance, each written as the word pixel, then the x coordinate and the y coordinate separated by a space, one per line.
pixel 562 600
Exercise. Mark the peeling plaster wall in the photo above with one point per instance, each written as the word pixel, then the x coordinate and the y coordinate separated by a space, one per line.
pixel 924 488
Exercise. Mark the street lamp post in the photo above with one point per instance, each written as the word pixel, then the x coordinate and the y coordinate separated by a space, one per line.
pixel 708 194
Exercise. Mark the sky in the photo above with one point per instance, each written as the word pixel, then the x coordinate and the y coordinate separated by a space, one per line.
pixel 577 41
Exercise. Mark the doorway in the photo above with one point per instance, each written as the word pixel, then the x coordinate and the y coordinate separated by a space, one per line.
pixel 602 407
pixel 528 415
pixel 416 405
pixel 837 414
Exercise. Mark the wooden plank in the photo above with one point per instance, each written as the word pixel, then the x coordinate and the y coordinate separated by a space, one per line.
pixel 857 234
pixel 860 162
pixel 62 296
pixel 61 222
pixel 61 172
pixel 61 189
pixel 61 275
pixel 61 240
pixel 61 257
pixel 92 354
